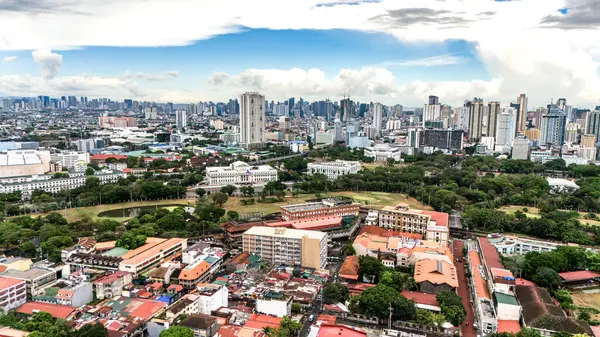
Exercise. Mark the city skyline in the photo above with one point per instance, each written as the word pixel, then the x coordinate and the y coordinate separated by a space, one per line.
pixel 382 51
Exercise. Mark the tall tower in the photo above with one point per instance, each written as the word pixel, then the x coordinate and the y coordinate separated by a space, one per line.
pixel 377 117
pixel 432 111
pixel 476 119
pixel 252 120
pixel 493 111
pixel 181 119
pixel 522 113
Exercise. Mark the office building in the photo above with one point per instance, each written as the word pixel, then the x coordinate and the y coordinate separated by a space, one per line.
pixel 377 118
pixel 521 117
pixel 475 119
pixel 281 109
pixel 532 134
pixel 16 163
pixel 505 130
pixel 572 133
pixel 346 110
pixel 593 123
pixel 441 139
pixel 552 132
pixel 13 293
pixel 284 123
pixel 181 119
pixel 433 225
pixel 537 117
pixel 334 169
pixel 252 120
pixel 324 208
pixel 88 145
pixel 492 119
pixel 284 246
pixel 150 113
pixel 240 173
pixel 432 111
pixel 520 148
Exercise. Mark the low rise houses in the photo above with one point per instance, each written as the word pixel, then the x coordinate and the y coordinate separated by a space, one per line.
pixel 35 279
pixel 334 169
pixel 201 325
pixel 111 285
pixel 212 297
pixel 324 208
pixel 287 246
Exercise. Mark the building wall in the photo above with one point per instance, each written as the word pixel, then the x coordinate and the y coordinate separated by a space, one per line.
pixel 207 304
pixel 312 253
pixel 274 307
pixel 13 297
pixel 341 210
pixel 83 295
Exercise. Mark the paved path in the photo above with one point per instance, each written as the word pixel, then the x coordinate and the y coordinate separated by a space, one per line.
pixel 463 289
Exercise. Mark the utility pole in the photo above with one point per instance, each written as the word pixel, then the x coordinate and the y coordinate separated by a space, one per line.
pixel 390 318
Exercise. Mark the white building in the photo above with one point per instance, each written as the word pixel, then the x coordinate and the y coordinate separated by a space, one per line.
pixel 520 149
pixel 87 145
pixel 513 245
pixel 71 160
pixel 432 112
pixel 561 185
pixel 506 125
pixel 111 285
pixel 13 293
pixel 24 162
pixel 284 246
pixel 377 117
pixel 252 120
pixel 383 152
pixel 212 297
pixel 334 169
pixel 274 303
pixel 240 173
pixel 181 119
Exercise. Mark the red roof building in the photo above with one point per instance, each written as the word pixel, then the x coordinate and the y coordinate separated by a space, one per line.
pixel 578 276
pixel 339 330
pixel 490 254
pixel 56 310
pixel 509 326
pixel 260 321
pixel 422 300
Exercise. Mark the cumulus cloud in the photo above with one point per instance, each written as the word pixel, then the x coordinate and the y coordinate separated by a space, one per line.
pixel 434 61
pixel 49 61
pixel 164 76
pixel 9 58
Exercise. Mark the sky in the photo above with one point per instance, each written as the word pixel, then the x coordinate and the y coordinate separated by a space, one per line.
pixel 389 51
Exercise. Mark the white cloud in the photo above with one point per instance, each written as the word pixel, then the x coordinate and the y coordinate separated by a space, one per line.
pixel 522 44
pixel 434 61
pixel 49 61
pixel 9 58
pixel 164 76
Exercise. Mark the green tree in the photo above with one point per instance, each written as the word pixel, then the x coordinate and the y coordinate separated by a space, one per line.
pixel 177 331
pixel 200 192
pixel 296 308
pixel 526 332
pixel 452 307
pixel 228 189
pixel 563 296
pixel 397 280
pixel 424 317
pixel 130 241
pixel 209 212
pixel 92 330
pixel 89 171
pixel 233 215
pixel 219 198
pixel 547 278
pixel 247 191
pixel 335 293
pixel 349 249
pixel 280 194
pixel 375 302
pixel 369 267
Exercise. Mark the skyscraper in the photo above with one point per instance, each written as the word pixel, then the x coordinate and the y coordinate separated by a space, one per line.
pixel 593 123
pixel 475 119
pixel 492 118
pixel 552 132
pixel 522 113
pixel 505 130
pixel 432 111
pixel 252 120
pixel 377 117
pixel 346 109
pixel 181 119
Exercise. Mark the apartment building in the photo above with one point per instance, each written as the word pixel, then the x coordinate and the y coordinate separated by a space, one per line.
pixel 433 225
pixel 240 173
pixel 324 208
pixel 284 246
pixel 334 169
pixel 194 273
pixel 35 279
pixel 13 293
pixel 111 285
pixel 212 297
pixel 71 160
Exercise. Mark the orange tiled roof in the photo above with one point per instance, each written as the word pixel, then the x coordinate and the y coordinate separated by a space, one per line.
pixel 480 283
pixel 509 326
pixel 349 269
pixel 436 272
pixel 194 273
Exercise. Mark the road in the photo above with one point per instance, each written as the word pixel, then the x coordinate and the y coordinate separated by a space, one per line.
pixel 463 289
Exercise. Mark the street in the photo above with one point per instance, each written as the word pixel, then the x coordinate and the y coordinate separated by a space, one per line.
pixel 463 289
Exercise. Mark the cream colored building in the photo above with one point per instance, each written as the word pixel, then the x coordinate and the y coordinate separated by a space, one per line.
pixel 16 263
pixel 284 246
pixel 15 163
pixel 433 225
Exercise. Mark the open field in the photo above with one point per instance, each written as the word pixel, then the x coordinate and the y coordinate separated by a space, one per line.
pixel 371 166
pixel 590 300
pixel 534 213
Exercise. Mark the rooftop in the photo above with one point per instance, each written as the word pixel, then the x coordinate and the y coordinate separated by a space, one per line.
pixel 339 330
pixel 199 321
pixel 147 254
pixel 325 203
pixel 436 272
pixel 285 233
pixel 56 310
pixel 310 224
pixel 580 275
pixel 509 326
pixel 29 274
pixel 505 298
pixel 7 282
pixel 490 254
pixel 350 268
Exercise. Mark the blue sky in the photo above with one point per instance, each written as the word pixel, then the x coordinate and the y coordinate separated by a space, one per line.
pixel 389 51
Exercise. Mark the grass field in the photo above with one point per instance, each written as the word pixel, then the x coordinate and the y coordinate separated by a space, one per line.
pixel 590 300
pixel 534 213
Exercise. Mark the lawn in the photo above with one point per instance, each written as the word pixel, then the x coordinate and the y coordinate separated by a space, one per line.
pixel 534 213
pixel 587 299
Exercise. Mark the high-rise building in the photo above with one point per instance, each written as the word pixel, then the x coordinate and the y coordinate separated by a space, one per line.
pixel 284 123
pixel 588 147
pixel 252 120
pixel 572 133
pixel 432 111
pixel 522 113
pixel 377 117
pixel 593 123
pixel 442 139
pixel 539 113
pixel 505 130
pixel 520 148
pixel 475 118
pixel 552 132
pixel 181 119
pixel 346 109
pixel 588 141
pixel 492 118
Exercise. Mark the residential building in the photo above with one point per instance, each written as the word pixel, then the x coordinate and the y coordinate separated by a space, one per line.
pixel 15 263
pixel 521 116
pixel 13 293
pixel 212 297
pixel 252 123
pixel 520 148
pixel 240 173
pixel 71 160
pixel 88 145
pixel 111 285
pixel 552 131
pixel 441 139
pixel 56 310
pixel 434 225
pixel 383 152
pixel 194 273
pixel 593 123
pixel 274 303
pixel 435 276
pixel 377 118
pixel 116 122
pixel 432 111
pixel 35 279
pixel 324 208
pixel 181 119
pixel 201 325
pixel 14 163
pixel 505 130
pixel 335 169
pixel 492 119
pixel 10 332
pixel 66 292
pixel 284 246
pixel 588 147
pixel 475 118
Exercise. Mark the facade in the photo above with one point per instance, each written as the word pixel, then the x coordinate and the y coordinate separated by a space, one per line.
pixel 433 225
pixel 240 173
pixel 383 152
pixel 521 117
pixel 335 169
pixel 592 126
pixel 433 110
pixel 47 182
pixel 323 208
pixel 13 293
pixel 520 149
pixel 492 119
pixel 284 246
pixel 442 139
pixel 505 130
pixel 35 279
pixel 274 303
pixel 194 273
pixel 116 122
pixel 71 160
pixel 181 119
pixel 553 127
pixel 212 297
pixel 111 285
pixel 153 256
pixel 252 123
